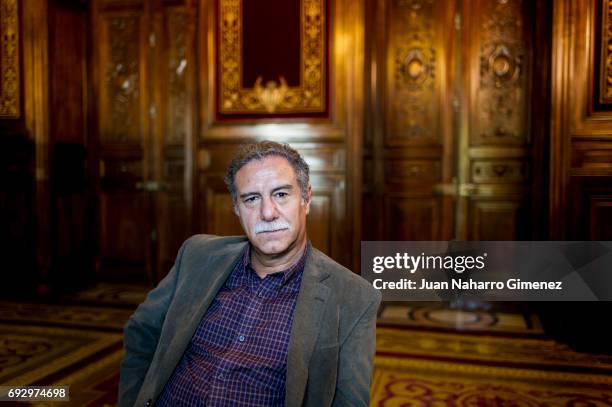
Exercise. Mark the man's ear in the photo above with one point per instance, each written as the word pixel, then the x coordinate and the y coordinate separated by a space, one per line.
pixel 307 202
pixel 236 209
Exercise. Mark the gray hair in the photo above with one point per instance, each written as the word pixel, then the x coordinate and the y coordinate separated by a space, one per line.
pixel 260 150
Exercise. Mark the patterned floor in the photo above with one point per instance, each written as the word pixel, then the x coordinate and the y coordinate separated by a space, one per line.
pixel 427 355
pixel 74 345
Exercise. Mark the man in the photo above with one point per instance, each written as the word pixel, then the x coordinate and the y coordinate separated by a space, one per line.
pixel 261 320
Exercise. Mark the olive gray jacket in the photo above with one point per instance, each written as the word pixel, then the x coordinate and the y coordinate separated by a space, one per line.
pixel 332 343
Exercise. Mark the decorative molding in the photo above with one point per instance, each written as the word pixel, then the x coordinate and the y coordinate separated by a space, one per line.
pixel 273 96
pixel 9 60
pixel 413 102
pixel 123 78
pixel 502 98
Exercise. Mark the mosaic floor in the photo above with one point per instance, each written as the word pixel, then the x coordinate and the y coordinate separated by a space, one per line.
pixel 426 356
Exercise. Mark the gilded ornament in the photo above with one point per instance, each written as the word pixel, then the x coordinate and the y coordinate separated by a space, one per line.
pixel 9 63
pixel 274 97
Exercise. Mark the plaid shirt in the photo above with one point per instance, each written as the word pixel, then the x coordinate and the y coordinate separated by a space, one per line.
pixel 238 354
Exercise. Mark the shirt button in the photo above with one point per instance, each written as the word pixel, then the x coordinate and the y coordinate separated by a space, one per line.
pixel 220 376
pixel 241 338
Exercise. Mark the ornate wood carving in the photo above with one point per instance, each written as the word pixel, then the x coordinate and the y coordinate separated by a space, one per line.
pixel 177 123
pixel 123 79
pixel 9 59
pixel 501 95
pixel 413 107
pixel 275 96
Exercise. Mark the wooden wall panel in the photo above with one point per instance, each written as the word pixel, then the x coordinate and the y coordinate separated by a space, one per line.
pixel 494 220
pixel 10 60
pixel 123 40
pixel 409 141
pixel 411 218
pixel 496 145
pixel 145 96
pixel 581 121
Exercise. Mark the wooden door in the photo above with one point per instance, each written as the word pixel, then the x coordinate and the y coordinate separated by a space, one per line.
pixel 451 139
pixel 142 70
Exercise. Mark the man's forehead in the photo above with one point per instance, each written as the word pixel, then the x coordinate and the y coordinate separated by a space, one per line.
pixel 271 167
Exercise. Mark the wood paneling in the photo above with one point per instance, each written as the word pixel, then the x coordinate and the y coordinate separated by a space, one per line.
pixel 496 145
pixel 145 96
pixel 581 122
pixel 450 135
pixel 10 60
pixel 410 134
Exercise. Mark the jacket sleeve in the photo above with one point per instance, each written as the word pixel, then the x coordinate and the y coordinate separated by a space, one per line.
pixel 356 360
pixel 141 334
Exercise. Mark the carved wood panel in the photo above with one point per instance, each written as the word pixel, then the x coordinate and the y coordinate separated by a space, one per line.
pixel 453 81
pixel 145 82
pixel 498 37
pixel 122 87
pixel 581 122
pixel 10 66
pixel 415 70
pixel 411 149
pixel 495 160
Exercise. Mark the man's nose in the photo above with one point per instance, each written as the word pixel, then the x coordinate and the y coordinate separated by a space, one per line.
pixel 269 211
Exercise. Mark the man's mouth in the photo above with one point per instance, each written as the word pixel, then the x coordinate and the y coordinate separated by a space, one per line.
pixel 271 231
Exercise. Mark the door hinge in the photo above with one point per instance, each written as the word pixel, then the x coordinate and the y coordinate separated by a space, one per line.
pixel 457 21
pixel 152 40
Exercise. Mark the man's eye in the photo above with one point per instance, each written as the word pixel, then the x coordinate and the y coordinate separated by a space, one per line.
pixel 281 194
pixel 250 199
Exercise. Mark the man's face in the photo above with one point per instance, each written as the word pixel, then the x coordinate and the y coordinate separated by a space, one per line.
pixel 270 205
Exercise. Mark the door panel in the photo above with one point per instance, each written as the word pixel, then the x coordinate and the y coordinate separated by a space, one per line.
pixel 124 210
pixel 143 89
pixel 495 146
pixel 450 136
pixel 412 146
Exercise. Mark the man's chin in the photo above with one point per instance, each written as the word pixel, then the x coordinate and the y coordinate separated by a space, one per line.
pixel 270 247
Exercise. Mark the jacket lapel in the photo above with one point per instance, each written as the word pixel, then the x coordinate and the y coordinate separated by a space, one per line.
pixel 196 297
pixel 306 323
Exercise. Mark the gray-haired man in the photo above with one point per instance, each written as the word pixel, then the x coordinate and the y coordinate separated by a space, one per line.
pixel 261 320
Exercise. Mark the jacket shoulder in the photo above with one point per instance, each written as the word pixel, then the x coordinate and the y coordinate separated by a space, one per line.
pixel 352 285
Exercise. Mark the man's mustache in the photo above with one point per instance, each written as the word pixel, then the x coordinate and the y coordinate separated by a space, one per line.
pixel 271 226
